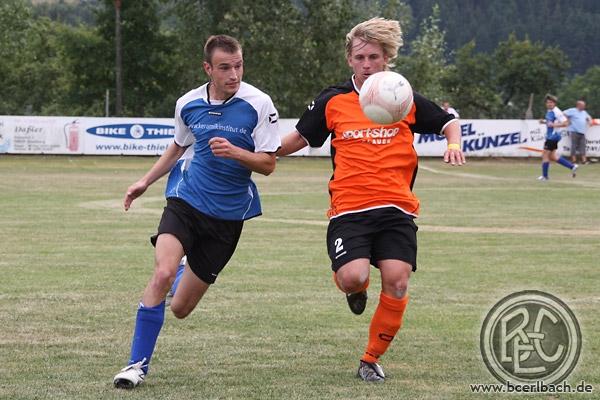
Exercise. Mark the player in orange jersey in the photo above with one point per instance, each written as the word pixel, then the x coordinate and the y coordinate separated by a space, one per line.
pixel 372 204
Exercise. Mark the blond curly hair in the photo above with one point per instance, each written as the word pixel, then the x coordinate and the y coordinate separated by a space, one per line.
pixel 386 32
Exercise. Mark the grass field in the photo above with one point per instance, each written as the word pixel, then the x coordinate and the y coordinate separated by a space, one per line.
pixel 73 266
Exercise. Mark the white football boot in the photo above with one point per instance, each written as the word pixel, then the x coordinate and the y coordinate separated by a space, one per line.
pixel 130 376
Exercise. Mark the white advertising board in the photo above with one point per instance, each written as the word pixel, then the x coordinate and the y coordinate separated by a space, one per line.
pixel 151 136
pixel 503 138
pixel 74 135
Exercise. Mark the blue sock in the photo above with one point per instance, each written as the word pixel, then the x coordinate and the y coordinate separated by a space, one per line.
pixel 565 163
pixel 545 166
pixel 178 276
pixel 148 322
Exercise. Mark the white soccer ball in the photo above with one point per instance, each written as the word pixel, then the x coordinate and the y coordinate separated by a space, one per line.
pixel 386 97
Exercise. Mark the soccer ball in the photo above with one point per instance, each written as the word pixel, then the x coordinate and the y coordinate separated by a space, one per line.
pixel 386 97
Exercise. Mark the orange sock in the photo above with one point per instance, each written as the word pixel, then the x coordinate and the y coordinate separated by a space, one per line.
pixel 366 285
pixel 385 323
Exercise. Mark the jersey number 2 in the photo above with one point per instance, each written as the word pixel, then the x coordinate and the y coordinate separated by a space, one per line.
pixel 338 245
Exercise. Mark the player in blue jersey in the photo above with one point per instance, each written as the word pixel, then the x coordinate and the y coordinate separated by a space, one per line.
pixel 554 119
pixel 172 181
pixel 233 128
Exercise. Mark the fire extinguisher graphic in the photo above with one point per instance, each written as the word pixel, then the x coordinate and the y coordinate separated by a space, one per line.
pixel 72 135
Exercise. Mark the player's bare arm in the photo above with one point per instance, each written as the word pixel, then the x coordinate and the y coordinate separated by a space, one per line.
pixel 453 153
pixel 291 143
pixel 263 163
pixel 562 124
pixel 164 164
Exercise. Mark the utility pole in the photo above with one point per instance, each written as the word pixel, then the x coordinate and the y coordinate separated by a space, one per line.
pixel 529 112
pixel 107 103
pixel 118 61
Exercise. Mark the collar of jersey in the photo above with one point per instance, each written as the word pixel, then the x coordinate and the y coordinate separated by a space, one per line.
pixel 354 85
pixel 224 101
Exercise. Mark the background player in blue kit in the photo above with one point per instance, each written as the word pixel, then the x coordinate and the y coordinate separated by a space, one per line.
pixel 233 128
pixel 554 119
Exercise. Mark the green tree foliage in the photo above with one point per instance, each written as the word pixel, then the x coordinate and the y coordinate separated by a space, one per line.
pixel 498 85
pixel 292 49
pixel 585 86
pixel 470 84
pixel 147 57
pixel 323 48
pixel 86 65
pixel 425 65
pixel 29 61
pixel 522 67
pixel 574 25
pixel 74 13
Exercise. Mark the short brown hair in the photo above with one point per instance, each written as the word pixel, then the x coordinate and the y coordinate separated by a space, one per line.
pixel 224 42
pixel 551 97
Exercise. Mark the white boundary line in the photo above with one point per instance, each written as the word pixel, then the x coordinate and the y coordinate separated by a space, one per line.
pixel 138 208
pixel 572 181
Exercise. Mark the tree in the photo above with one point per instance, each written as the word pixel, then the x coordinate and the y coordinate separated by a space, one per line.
pixel 521 68
pixel 86 71
pixel 273 52
pixel 425 65
pixel 148 70
pixel 15 20
pixel 584 86
pixel 470 84
pixel 283 43
pixel 573 25
pixel 30 66
pixel 292 49
pixel 73 13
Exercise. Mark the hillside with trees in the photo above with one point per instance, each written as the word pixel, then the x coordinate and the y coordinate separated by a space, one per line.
pixel 571 25
pixel 486 59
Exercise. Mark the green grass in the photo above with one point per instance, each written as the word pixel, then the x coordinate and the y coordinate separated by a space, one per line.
pixel 73 266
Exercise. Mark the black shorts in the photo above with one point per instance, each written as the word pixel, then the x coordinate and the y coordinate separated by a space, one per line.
pixel 550 145
pixel 379 234
pixel 208 242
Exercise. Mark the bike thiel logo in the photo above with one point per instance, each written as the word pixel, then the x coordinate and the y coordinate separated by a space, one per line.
pixel 530 336
pixel 133 131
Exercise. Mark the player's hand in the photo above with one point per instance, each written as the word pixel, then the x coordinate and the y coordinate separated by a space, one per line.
pixel 222 147
pixel 133 192
pixel 454 157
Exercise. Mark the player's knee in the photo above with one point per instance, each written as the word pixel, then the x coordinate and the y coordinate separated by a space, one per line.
pixel 396 286
pixel 398 289
pixel 162 279
pixel 353 282
pixel 180 311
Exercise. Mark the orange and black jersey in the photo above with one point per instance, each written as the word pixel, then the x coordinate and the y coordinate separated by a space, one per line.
pixel 374 165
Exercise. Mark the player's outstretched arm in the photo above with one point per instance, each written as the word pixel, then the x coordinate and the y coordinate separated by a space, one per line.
pixel 453 154
pixel 160 168
pixel 291 143
pixel 263 163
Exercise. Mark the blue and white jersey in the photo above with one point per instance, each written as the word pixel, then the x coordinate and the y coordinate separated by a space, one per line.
pixel 554 115
pixel 217 186
pixel 176 173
